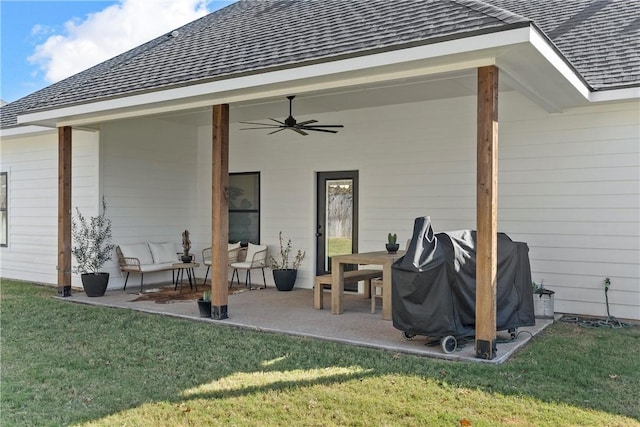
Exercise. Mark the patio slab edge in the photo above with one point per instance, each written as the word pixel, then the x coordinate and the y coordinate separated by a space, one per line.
pixel 502 356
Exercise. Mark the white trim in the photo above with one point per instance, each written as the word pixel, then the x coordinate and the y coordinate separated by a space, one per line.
pixel 239 95
pixel 615 95
pixel 352 70
pixel 559 62
pixel 24 130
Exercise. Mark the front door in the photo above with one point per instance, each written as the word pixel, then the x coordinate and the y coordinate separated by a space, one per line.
pixel 337 218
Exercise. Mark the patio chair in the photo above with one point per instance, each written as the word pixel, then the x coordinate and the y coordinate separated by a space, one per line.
pixel 234 256
pixel 256 258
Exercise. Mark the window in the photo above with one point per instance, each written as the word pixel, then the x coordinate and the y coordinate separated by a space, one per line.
pixel 244 207
pixel 4 231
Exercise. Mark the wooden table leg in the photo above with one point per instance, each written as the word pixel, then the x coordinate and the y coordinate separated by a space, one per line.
pixel 367 288
pixel 386 291
pixel 337 286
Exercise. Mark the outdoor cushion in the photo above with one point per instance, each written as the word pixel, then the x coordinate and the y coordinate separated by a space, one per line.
pixel 233 246
pixel 139 250
pixel 252 250
pixel 163 252
pixel 156 267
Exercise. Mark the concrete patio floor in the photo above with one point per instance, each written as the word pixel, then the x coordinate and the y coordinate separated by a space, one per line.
pixel 292 313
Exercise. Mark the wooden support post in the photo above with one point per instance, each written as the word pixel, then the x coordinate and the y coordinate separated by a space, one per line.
pixel 220 213
pixel 64 211
pixel 487 212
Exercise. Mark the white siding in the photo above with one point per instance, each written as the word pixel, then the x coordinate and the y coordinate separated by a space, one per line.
pixel 149 173
pixel 32 166
pixel 568 186
pixel 413 160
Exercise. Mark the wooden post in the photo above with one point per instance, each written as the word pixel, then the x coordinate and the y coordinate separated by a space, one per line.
pixel 487 212
pixel 64 211
pixel 220 212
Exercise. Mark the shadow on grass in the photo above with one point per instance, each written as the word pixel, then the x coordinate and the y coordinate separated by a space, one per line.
pixel 66 364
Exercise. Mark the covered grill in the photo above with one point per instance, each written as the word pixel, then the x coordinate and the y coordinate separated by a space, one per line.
pixel 434 284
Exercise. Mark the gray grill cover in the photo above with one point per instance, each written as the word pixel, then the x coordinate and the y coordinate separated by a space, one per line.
pixel 434 284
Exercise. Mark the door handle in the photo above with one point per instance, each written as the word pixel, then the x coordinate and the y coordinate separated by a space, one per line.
pixel 318 233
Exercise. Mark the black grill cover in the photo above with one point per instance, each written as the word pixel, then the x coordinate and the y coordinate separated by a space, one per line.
pixel 434 284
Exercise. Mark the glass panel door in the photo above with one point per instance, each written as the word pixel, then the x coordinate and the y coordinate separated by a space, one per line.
pixel 337 225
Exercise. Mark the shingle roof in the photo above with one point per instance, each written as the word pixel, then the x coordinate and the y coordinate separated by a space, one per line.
pixel 254 36
pixel 601 38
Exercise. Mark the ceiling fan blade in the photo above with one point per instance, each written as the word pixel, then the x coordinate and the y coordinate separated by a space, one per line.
pixel 277 121
pixel 326 126
pixel 264 127
pixel 320 130
pixel 277 130
pixel 256 123
pixel 300 131
pixel 308 122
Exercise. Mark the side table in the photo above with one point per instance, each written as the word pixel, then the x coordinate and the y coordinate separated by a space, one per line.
pixel 191 275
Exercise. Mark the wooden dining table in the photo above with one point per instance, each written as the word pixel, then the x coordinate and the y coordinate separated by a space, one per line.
pixel 382 258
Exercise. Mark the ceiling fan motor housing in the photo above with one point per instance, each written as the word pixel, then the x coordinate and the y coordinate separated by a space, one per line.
pixel 290 121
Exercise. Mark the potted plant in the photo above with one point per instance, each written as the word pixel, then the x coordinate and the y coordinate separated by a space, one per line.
pixel 542 301
pixel 392 246
pixel 186 245
pixel 93 249
pixel 204 304
pixel 285 275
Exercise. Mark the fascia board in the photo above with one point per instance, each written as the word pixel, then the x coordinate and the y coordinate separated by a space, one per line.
pixel 25 131
pixel 559 62
pixel 265 92
pixel 615 95
pixel 370 68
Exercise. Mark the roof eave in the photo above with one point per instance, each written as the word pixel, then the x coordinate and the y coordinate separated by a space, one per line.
pixel 616 94
pixel 502 47
pixel 30 130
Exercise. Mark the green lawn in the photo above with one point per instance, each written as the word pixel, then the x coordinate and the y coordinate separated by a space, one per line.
pixel 338 246
pixel 73 364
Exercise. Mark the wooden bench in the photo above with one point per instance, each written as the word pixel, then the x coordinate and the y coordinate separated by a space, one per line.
pixel 352 276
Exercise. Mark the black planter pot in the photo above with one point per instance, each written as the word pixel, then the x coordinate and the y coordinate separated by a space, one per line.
pixel 285 279
pixel 186 258
pixel 392 248
pixel 95 285
pixel 204 307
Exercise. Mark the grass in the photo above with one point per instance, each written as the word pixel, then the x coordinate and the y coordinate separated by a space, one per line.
pixel 72 364
pixel 338 246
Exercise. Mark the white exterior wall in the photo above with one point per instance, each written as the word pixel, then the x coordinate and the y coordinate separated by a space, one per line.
pixel 32 166
pixel 568 186
pixel 149 182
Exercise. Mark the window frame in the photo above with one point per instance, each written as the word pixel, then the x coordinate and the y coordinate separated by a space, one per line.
pixel 4 180
pixel 254 210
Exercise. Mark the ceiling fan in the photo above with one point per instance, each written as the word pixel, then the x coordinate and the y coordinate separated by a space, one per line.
pixel 291 123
